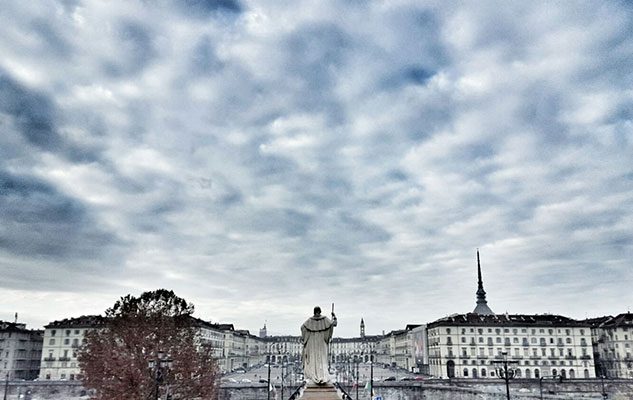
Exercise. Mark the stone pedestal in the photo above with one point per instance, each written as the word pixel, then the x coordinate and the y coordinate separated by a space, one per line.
pixel 315 392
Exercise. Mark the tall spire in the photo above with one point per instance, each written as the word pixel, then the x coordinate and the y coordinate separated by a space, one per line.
pixel 482 305
pixel 362 328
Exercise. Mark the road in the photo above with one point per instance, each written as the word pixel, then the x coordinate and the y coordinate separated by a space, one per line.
pixel 294 377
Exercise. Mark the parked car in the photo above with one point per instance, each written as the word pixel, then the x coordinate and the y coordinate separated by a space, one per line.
pixel 263 381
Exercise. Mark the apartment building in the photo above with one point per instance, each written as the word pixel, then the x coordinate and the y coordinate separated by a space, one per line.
pixel 613 345
pixel 20 351
pixel 62 340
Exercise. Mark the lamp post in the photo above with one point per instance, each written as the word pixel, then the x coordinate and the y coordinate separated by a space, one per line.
pixel 604 392
pixel 269 360
pixel 371 375
pixel 6 385
pixel 283 365
pixel 504 372
pixel 159 367
pixel 356 361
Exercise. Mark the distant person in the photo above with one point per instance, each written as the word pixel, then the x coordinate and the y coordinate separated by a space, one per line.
pixel 316 334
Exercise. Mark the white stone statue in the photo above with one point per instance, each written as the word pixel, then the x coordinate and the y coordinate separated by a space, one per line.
pixel 316 333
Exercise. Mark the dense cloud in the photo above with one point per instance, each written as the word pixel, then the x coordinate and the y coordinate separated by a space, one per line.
pixel 262 157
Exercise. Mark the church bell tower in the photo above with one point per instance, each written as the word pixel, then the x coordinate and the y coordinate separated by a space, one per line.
pixel 362 328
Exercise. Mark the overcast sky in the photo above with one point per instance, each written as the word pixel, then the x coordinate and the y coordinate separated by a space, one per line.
pixel 263 157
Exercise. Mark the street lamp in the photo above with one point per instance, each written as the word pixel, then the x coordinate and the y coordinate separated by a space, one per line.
pixel 6 385
pixel 504 372
pixel 604 392
pixel 269 384
pixel 159 367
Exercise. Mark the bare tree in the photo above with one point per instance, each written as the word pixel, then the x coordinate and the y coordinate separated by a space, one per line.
pixel 115 360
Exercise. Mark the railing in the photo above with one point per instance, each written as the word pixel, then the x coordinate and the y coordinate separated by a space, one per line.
pixel 64 358
pixel 585 357
pixel 297 392
pixel 337 385
pixel 49 358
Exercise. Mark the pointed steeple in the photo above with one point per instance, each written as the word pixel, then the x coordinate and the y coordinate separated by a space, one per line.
pixel 482 305
pixel 362 328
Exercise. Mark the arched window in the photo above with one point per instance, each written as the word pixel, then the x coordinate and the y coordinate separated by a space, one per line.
pixel 518 373
pixel 528 373
pixel 474 372
pixel 483 372
pixel 465 372
pixel 572 374
pixel 563 373
pixel 554 372
pixel 537 373
pixel 450 369
pixel 586 373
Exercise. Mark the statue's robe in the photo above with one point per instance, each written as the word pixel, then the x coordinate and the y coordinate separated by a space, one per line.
pixel 316 333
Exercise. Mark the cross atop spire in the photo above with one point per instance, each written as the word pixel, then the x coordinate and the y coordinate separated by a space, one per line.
pixel 482 305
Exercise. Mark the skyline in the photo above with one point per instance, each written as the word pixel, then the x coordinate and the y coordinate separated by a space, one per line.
pixel 263 157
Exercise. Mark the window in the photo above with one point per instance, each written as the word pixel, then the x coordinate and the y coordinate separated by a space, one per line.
pixel 53 332
pixel 66 341
pixel 466 372
pixel 67 332
pixel 448 331
pixel 76 331
pixel 582 332
pixel 48 377
pixel 51 342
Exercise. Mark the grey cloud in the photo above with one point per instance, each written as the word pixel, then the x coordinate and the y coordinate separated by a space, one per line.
pixel 51 39
pixel 204 57
pixel 206 8
pixel 39 221
pixel 36 117
pixel 136 49
pixel 32 112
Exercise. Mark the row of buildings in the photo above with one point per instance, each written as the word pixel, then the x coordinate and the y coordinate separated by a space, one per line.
pixel 461 345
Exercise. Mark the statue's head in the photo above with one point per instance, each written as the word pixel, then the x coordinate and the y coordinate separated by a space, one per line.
pixel 317 310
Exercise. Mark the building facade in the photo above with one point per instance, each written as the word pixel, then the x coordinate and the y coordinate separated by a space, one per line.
pixel 613 345
pixel 466 345
pixel 20 351
pixel 62 340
